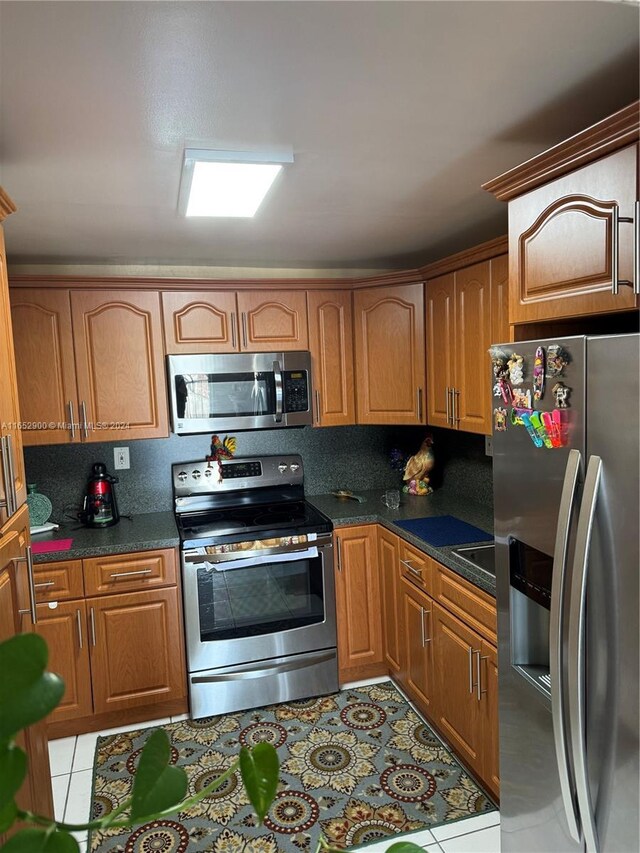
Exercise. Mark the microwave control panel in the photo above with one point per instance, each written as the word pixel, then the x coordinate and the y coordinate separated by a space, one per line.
pixel 296 390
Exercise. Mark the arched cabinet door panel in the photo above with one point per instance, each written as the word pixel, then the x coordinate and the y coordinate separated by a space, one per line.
pixel 119 364
pixel 200 321
pixel 273 320
pixel 331 345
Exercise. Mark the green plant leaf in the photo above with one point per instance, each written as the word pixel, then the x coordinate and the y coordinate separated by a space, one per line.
pixel 157 785
pixel 404 847
pixel 27 692
pixel 13 769
pixel 8 815
pixel 41 841
pixel 259 768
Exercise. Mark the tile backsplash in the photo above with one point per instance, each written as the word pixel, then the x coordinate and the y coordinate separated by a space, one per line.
pixel 355 458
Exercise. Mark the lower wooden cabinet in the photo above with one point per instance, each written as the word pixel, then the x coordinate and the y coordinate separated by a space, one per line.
pixel 489 682
pixel 417 671
pixel 388 561
pixel 360 642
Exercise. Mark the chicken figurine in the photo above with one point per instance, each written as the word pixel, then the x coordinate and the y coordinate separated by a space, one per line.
pixel 221 449
pixel 417 469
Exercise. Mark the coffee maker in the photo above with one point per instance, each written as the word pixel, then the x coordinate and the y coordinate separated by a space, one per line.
pixel 100 508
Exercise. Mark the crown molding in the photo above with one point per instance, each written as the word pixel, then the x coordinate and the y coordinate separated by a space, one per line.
pixel 475 255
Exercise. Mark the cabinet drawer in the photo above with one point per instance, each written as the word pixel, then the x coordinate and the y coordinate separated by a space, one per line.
pixel 416 567
pixel 58 581
pixel 472 605
pixel 129 572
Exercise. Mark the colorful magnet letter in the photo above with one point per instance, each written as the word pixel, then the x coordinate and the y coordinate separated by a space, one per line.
pixel 499 362
pixel 538 374
pixel 557 360
pixel 561 395
pixel 516 416
pixel 516 369
pixel 521 398
pixel 553 427
pixel 526 420
pixel 500 419
pixel 541 430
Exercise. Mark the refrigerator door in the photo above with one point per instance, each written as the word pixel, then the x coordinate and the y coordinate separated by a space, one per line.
pixel 528 487
pixel 612 611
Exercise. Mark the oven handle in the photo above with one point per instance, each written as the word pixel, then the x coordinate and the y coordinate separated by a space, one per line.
pixel 242 559
pixel 247 672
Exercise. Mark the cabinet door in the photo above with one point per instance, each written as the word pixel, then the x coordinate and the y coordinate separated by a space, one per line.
pixel 13 487
pixel 43 342
pixel 417 671
pixel 440 349
pixel 472 340
pixel 200 321
pixel 561 240
pixel 388 558
pixel 358 603
pixel 136 650
pixel 119 364
pixel 500 332
pixel 63 625
pixel 390 353
pixel 273 320
pixel 489 710
pixel 458 714
pixel 331 345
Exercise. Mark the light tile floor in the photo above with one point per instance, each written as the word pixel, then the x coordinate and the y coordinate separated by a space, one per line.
pixel 72 762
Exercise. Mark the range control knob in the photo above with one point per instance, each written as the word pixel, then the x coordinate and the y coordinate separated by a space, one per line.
pixel 196 474
pixel 294 467
pixel 208 472
pixel 182 476
pixel 282 467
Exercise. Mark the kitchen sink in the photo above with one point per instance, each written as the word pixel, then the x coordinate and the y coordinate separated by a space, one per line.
pixel 482 557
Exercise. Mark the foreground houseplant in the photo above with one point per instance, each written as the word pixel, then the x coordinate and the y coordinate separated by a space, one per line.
pixel 28 693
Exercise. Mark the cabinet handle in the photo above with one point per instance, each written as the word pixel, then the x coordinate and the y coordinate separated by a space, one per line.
pixel 7 500
pixel 79 624
pixel 456 405
pixel 28 559
pixel 233 329
pixel 317 406
pixel 72 425
pixel 419 401
pixel 244 330
pixel 83 415
pixel 448 399
pixel 471 684
pixel 416 572
pixel 616 219
pixel 425 639
pixel 44 583
pixel 339 549
pixel 479 690
pixel 130 574
pixel 422 624
pixel 92 620
pixel 11 485
pixel 636 252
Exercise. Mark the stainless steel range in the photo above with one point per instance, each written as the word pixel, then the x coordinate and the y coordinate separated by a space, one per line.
pixel 258 584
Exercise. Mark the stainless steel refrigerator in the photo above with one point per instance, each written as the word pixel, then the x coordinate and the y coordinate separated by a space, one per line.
pixel 567 561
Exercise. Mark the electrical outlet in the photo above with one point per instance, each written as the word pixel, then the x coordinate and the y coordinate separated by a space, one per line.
pixel 488 445
pixel 121 458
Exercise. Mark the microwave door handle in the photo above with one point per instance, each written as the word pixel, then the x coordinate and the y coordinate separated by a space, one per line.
pixel 576 652
pixel 556 634
pixel 277 375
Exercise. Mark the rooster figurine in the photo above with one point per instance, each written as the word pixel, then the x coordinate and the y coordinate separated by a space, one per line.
pixel 417 469
pixel 221 450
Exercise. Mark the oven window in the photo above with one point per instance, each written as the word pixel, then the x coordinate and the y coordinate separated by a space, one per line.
pixel 206 395
pixel 260 600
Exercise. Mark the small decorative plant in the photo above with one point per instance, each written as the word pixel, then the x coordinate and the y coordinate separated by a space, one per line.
pixel 28 693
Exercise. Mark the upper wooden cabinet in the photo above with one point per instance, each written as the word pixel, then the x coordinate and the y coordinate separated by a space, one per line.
pixel 331 345
pixel 390 354
pixel 13 487
pixel 466 312
pixel 273 320
pixel 573 218
pixel 200 321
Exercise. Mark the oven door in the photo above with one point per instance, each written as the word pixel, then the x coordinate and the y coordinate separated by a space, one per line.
pixel 258 607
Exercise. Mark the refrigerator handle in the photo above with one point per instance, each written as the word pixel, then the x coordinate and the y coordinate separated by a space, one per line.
pixel 576 652
pixel 556 633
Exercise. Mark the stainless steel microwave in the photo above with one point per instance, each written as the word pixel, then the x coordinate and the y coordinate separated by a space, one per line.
pixel 262 390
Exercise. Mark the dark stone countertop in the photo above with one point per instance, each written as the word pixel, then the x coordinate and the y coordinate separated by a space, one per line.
pixel 142 533
pixel 373 511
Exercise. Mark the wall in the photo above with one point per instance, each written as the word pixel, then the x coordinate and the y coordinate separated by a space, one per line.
pixel 355 457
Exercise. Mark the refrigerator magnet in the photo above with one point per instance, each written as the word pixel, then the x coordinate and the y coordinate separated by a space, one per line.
pixel 521 398
pixel 516 369
pixel 538 374
pixel 499 362
pixel 500 419
pixel 557 360
pixel 561 395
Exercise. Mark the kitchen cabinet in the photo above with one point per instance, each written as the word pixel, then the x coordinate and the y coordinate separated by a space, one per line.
pixel 465 309
pixel 13 487
pixel 360 644
pixel 35 794
pixel 114 629
pixel 574 219
pixel 273 320
pixel 418 668
pixel 489 712
pixel 331 346
pixel 389 562
pixel 200 321
pixel 390 354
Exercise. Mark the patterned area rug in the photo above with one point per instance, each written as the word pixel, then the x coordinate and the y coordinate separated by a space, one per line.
pixel 356 766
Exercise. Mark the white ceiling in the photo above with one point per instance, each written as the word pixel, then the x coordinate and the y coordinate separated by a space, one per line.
pixel 396 111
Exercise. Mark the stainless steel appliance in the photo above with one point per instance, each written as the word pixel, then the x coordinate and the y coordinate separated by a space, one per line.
pixel 258 584
pixel 566 527
pixel 263 390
